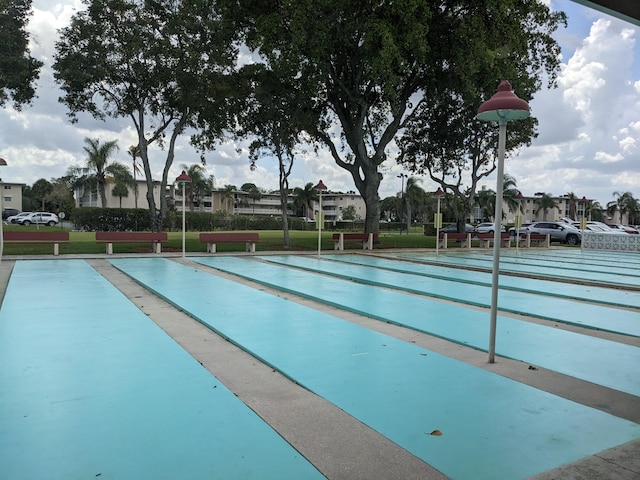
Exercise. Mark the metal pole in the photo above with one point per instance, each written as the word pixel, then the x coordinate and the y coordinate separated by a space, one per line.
pixel 1 223
pixel 319 221
pixel 438 226
pixel 183 220
pixel 496 240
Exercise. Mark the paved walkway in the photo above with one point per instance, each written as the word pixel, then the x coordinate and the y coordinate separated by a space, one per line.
pixel 328 393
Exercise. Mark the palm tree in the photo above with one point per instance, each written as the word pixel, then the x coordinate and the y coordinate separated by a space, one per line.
pixel 227 195
pixel 573 205
pixel 594 211
pixel 545 203
pixel 625 204
pixel 487 202
pixel 97 160
pixel 415 199
pixel 134 151
pixel 123 180
pixel 510 193
pixel 200 185
pixel 305 197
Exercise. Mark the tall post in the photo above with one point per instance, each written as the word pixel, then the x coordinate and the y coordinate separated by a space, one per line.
pixel 438 219
pixel 3 163
pixel 184 222
pixel 402 176
pixel 502 107
pixel 502 135
pixel 320 220
pixel 183 179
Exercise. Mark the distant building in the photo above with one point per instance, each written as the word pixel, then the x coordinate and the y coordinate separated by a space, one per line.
pixel 12 195
pixel 334 203
pixel 531 212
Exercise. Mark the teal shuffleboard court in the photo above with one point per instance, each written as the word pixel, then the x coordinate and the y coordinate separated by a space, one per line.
pixel 92 388
pixel 491 427
pixel 570 353
pixel 562 310
pixel 599 295
pixel 527 264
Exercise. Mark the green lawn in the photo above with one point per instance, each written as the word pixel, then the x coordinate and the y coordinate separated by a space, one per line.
pixel 270 240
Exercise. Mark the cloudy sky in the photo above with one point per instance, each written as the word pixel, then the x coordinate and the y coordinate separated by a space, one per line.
pixel 588 144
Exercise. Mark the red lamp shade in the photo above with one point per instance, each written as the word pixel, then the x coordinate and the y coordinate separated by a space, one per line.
pixel 320 186
pixel 183 178
pixel 3 162
pixel 503 106
pixel 438 193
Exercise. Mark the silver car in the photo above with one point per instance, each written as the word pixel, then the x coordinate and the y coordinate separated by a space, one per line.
pixel 558 231
pixel 488 228
pixel 39 218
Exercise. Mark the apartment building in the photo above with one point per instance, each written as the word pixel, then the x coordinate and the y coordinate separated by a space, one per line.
pixel 12 195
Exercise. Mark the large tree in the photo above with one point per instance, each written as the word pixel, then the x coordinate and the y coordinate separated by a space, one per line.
pixel 18 69
pixel 271 112
pixel 160 64
pixel 377 67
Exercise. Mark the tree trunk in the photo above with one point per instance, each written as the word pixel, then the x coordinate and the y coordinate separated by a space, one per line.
pixel 372 203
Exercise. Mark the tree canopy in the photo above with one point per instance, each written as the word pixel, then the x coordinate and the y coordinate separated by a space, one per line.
pixel 18 69
pixel 161 64
pixel 387 72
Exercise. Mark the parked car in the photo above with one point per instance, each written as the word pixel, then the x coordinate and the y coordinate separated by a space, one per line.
pixel 558 231
pixel 453 228
pixel 599 227
pixel 488 228
pixel 16 218
pixel 39 218
pixel 9 212
pixel 512 230
pixel 624 228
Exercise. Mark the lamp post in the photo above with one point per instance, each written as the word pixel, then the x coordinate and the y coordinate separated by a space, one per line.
pixel 583 220
pixel 504 106
pixel 518 222
pixel 437 222
pixel 3 163
pixel 402 176
pixel 320 187
pixel 183 179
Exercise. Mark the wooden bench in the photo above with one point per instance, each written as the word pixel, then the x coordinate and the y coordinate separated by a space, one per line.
pixel 248 238
pixel 364 239
pixel 526 239
pixel 56 238
pixel 486 239
pixel 464 239
pixel 154 238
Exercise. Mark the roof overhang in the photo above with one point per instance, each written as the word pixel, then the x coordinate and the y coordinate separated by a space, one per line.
pixel 628 10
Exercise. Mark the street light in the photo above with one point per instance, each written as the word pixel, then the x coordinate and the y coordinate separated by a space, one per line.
pixel 3 163
pixel 437 222
pixel 402 176
pixel 320 187
pixel 518 222
pixel 504 106
pixel 183 179
pixel 583 220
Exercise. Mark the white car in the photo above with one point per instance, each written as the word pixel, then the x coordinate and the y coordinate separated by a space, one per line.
pixel 488 228
pixel 625 229
pixel 18 217
pixel 39 218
